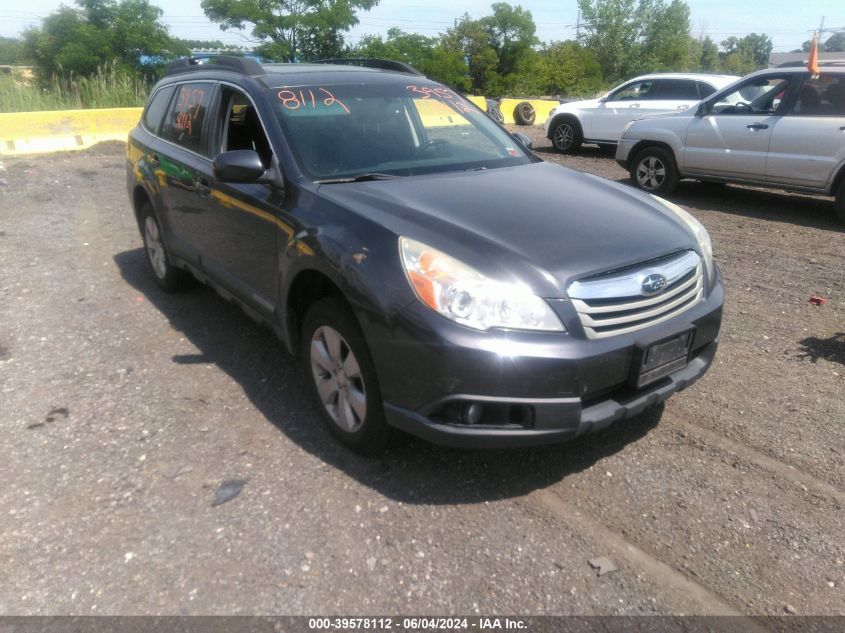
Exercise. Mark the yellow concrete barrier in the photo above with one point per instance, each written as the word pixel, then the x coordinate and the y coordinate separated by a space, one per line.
pixel 542 107
pixel 60 130
pixel 481 102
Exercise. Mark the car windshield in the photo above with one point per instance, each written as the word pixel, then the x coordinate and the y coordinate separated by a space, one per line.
pixel 340 132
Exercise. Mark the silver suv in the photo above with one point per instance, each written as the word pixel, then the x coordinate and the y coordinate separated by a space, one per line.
pixel 601 121
pixel 779 127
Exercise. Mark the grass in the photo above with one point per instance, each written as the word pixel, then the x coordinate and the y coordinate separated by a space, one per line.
pixel 108 88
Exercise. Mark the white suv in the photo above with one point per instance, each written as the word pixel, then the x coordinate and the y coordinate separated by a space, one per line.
pixel 779 127
pixel 601 121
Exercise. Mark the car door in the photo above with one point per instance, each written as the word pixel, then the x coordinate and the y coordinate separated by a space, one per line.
pixel 181 164
pixel 628 102
pixel 808 143
pixel 730 138
pixel 239 222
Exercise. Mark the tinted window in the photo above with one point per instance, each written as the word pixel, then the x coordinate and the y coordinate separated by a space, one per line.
pixel 704 90
pixel 155 109
pixel 184 122
pixel 634 91
pixel 241 126
pixel 677 90
pixel 822 96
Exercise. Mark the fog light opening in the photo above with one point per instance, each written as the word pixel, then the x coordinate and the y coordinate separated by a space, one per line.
pixel 472 413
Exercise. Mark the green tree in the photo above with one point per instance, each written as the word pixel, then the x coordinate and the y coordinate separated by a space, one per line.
pixel 11 51
pixel 290 30
pixel 426 54
pixel 834 44
pixel 753 49
pixel 708 58
pixel 471 39
pixel 77 41
pixel 511 34
pixel 629 37
pixel 560 68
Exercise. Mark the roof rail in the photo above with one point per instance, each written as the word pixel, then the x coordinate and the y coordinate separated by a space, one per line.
pixel 372 62
pixel 245 65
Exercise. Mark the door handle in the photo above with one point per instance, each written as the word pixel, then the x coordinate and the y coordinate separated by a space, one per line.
pixel 154 159
pixel 842 128
pixel 758 126
pixel 634 105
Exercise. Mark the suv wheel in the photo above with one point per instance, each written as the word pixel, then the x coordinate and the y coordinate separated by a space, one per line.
pixel 654 170
pixel 167 277
pixel 342 377
pixel 566 137
pixel 840 203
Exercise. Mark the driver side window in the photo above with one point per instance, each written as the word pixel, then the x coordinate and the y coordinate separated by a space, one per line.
pixel 760 96
pixel 241 126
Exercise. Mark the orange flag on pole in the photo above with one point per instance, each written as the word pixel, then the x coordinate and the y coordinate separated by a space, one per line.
pixel 813 62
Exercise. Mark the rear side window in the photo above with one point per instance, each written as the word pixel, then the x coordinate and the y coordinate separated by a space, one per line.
pixel 821 96
pixel 677 90
pixel 183 124
pixel 155 109
pixel 705 90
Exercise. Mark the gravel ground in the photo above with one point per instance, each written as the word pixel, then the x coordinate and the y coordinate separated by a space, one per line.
pixel 123 409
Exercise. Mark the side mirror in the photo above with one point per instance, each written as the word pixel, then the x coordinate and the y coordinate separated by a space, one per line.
pixel 603 100
pixel 701 110
pixel 523 139
pixel 239 165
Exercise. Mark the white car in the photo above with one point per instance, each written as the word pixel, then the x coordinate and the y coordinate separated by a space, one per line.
pixel 779 127
pixel 601 121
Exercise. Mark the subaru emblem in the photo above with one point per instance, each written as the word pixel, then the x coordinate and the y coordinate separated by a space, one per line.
pixel 653 284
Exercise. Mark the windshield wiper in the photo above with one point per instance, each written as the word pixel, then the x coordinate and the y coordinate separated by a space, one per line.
pixel 359 178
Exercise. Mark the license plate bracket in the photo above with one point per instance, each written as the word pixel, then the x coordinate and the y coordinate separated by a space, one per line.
pixel 662 357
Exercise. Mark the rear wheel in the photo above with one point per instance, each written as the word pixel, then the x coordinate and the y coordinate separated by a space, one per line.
pixel 342 377
pixel 167 277
pixel 654 170
pixel 566 136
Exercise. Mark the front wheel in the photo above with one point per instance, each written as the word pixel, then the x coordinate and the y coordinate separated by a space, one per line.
pixel 654 170
pixel 566 137
pixel 342 377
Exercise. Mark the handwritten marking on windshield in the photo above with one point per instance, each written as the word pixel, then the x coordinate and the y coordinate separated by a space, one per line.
pixel 306 98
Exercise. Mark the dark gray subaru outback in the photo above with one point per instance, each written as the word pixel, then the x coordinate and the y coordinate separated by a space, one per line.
pixel 431 272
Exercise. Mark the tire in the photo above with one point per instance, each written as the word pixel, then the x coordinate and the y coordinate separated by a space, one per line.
pixel 566 136
pixel 524 113
pixel 840 203
pixel 654 170
pixel 341 377
pixel 167 277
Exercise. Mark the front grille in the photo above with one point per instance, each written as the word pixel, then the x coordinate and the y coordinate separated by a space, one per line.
pixel 617 304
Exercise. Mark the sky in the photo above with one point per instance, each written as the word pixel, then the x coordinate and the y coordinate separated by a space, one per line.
pixel 788 22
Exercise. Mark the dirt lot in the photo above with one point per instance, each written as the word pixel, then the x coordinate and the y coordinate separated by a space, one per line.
pixel 123 409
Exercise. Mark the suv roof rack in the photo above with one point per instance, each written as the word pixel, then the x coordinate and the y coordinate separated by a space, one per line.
pixel 245 65
pixel 372 62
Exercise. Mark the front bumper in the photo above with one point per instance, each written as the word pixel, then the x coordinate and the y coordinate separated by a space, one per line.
pixel 557 420
pixel 559 385
pixel 623 151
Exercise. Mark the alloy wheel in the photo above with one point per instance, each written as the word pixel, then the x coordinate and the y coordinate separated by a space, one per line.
pixel 337 376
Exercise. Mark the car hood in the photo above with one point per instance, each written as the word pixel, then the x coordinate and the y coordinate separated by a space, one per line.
pixel 538 224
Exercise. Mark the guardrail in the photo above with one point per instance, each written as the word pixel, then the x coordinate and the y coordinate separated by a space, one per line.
pixel 62 130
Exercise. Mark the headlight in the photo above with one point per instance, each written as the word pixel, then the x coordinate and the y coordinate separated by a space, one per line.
pixel 464 295
pixel 698 230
